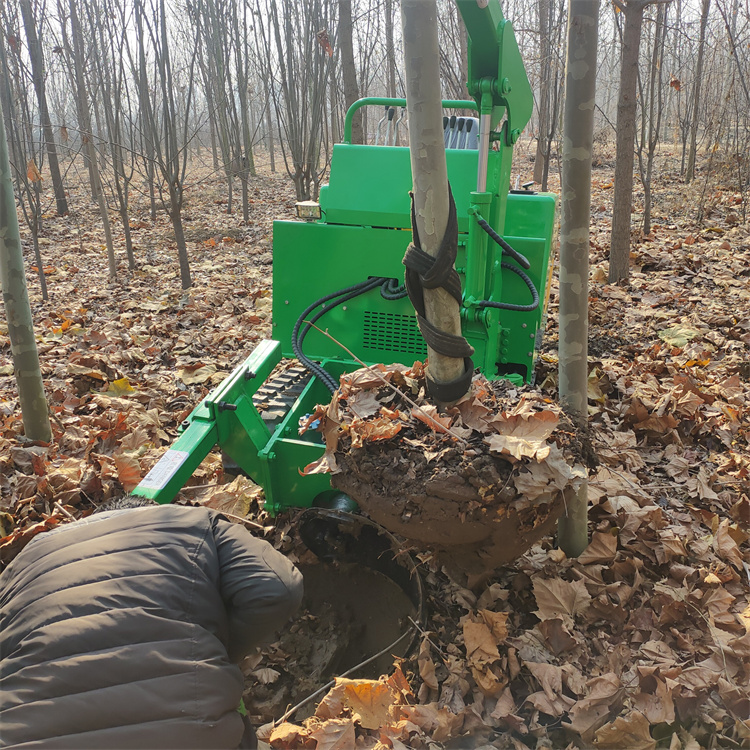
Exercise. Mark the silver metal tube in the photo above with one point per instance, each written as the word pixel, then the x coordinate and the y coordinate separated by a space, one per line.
pixel 484 152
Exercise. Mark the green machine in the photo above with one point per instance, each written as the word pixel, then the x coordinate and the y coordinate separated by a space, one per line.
pixel 341 265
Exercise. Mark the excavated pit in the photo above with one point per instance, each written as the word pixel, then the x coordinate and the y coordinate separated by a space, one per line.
pixel 361 595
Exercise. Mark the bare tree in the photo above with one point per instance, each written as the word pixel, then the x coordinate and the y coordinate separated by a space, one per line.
pixel 348 69
pixel 26 150
pixel 36 58
pixel 551 25
pixel 696 99
pixel 107 24
pixel 168 129
pixel 17 309
pixel 74 46
pixel 299 88
pixel 390 53
pixel 453 51
pixel 578 137
pixel 430 178
pixel 651 115
pixel 619 252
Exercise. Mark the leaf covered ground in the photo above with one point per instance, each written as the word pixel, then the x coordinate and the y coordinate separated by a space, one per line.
pixel 642 642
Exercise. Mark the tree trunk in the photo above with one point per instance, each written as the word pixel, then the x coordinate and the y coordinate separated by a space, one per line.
pixel 37 72
pixel 545 52
pixel 619 251
pixel 175 214
pixel 655 111
pixel 575 187
pixel 428 165
pixel 269 125
pixel 348 68
pixel 690 173
pixel 390 53
pixel 85 124
pixel 17 309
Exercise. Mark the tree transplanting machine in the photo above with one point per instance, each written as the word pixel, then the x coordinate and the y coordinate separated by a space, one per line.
pixel 341 264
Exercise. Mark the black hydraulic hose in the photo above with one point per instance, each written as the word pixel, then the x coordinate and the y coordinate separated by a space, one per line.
pixel 391 289
pixel 509 306
pixel 299 336
pixel 522 260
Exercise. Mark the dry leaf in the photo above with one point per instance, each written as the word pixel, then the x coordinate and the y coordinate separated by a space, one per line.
pixel 288 736
pixel 481 644
pixel 334 734
pixel 556 598
pixel 601 549
pixel 629 732
pixel 128 471
pixel 32 172
pixel 266 675
pixel 523 434
pixel 200 374
pixel 427 665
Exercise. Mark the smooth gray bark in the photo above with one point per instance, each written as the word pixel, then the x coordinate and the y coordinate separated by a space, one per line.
pixel 428 165
pixel 348 67
pixel 619 250
pixel 88 138
pixel 37 72
pixel 17 309
pixel 690 173
pixel 578 139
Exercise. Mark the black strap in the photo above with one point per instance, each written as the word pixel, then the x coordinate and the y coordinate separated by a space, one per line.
pixel 425 272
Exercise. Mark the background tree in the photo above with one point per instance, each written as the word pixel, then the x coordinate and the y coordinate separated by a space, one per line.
pixel 652 109
pixel 551 70
pixel 619 253
pixel 17 309
pixel 696 99
pixel 36 58
pixel 26 150
pixel 168 129
pixel 348 68
pixel 578 141
pixel 74 46
pixel 299 88
pixel 106 23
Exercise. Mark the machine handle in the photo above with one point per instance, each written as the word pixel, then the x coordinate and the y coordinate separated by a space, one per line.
pixel 368 100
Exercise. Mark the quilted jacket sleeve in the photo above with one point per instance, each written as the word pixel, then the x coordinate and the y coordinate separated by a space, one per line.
pixel 260 587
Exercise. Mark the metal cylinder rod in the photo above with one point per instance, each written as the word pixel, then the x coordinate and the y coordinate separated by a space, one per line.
pixel 484 152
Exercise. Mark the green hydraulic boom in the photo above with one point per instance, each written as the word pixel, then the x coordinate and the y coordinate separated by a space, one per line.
pixel 343 263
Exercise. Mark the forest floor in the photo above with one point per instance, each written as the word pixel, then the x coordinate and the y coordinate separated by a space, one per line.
pixel 641 642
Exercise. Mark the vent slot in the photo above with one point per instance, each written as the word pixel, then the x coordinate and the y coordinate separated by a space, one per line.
pixel 390 332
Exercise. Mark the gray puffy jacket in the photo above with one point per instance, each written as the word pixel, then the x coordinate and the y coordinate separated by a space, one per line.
pixel 124 630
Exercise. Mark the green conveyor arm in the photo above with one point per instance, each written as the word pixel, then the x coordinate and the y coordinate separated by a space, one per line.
pixel 226 417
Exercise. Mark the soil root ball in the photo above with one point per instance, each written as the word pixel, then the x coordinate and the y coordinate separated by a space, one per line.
pixel 479 483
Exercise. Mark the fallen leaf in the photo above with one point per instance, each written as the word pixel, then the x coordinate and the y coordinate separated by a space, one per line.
pixel 630 732
pixel 197 375
pixel 128 471
pixel 555 597
pixel 601 549
pixel 334 734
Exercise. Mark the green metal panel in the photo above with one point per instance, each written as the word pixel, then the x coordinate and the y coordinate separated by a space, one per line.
pixel 287 452
pixel 370 185
pixel 320 259
pixel 326 258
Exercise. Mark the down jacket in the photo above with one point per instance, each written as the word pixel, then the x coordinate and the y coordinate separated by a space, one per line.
pixel 124 630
